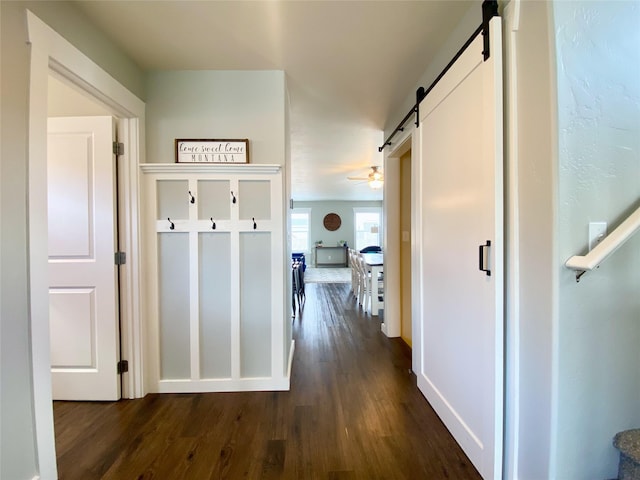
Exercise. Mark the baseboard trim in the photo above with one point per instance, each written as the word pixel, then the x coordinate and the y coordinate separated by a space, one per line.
pixel 291 351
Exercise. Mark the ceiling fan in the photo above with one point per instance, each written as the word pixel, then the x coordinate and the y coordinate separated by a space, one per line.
pixel 375 178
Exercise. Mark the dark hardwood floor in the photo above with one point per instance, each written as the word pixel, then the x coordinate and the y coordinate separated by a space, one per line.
pixel 353 412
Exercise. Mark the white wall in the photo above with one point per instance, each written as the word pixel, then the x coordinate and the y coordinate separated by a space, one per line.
pixel 598 75
pixel 217 104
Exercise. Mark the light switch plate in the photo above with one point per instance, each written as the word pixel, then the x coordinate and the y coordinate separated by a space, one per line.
pixel 597 231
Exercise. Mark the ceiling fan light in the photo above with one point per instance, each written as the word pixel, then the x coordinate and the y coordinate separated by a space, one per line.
pixel 375 184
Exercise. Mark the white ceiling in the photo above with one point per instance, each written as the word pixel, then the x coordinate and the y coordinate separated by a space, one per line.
pixel 349 66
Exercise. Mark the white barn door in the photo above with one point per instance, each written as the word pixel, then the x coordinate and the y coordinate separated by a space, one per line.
pixel 83 313
pixel 460 367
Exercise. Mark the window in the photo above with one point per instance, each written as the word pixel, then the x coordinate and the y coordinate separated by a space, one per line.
pixel 300 229
pixel 368 227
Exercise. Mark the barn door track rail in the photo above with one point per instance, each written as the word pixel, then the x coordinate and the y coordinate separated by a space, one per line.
pixel 489 10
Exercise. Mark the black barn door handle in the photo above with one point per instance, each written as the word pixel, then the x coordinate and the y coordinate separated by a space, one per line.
pixel 481 257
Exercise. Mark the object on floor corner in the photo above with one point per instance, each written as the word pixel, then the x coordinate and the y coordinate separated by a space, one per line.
pixel 628 442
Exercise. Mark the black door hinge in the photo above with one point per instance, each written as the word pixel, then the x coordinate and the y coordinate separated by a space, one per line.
pixel 118 148
pixel 120 258
pixel 123 366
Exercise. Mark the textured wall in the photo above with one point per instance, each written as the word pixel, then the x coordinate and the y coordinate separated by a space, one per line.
pixel 598 391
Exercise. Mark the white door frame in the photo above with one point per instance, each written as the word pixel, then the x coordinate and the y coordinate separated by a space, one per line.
pixel 392 326
pixel 50 51
pixel 407 141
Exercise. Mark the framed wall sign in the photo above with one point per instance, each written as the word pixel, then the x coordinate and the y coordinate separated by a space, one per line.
pixel 212 151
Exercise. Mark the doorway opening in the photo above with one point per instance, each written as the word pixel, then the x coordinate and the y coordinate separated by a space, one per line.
pixel 51 52
pixel 405 248
pixel 82 186
pixel 401 270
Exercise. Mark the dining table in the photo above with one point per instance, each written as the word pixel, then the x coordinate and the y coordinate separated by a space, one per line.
pixel 375 263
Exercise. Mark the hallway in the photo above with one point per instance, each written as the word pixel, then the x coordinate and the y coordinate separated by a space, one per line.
pixel 353 412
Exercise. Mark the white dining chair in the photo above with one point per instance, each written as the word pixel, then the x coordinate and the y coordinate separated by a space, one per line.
pixel 364 290
pixel 353 264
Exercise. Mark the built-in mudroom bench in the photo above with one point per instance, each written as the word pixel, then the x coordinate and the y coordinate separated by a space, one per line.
pixel 214 278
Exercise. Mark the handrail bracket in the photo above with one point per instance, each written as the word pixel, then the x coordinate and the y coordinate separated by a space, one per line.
pixel 584 263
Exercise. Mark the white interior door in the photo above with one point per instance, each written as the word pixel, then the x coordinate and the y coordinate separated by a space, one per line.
pixel 461 369
pixel 83 311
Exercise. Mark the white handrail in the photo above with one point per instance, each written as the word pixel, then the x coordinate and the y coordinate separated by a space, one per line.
pixel 613 241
